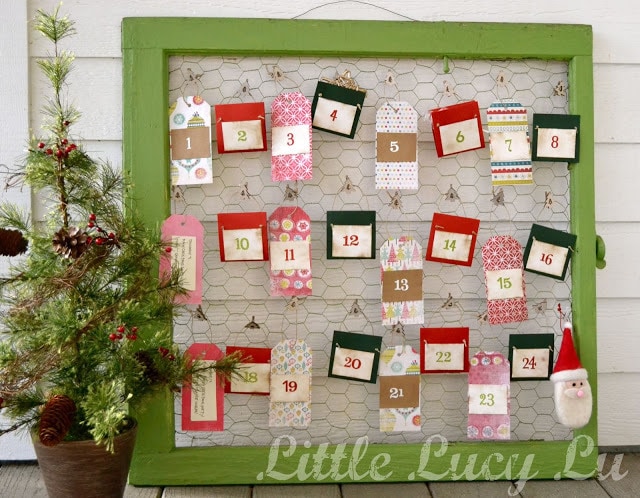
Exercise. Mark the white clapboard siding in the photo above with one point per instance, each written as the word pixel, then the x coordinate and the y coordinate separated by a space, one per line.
pixel 96 90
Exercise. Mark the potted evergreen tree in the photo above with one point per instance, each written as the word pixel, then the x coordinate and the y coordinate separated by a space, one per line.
pixel 85 316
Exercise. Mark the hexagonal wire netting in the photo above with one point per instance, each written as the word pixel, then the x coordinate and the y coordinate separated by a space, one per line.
pixel 344 410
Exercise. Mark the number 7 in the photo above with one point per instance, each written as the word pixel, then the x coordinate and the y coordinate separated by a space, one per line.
pixel 508 142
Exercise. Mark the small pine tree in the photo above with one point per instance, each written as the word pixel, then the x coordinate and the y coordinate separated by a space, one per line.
pixel 87 322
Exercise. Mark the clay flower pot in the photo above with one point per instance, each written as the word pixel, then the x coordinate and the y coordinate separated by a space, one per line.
pixel 82 468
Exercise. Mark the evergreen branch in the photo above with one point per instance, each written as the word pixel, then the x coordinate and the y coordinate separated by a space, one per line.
pixel 52 26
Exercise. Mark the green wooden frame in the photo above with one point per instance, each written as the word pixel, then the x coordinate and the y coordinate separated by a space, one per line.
pixel 147 44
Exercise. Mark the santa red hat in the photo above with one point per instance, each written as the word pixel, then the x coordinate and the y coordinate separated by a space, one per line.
pixel 568 365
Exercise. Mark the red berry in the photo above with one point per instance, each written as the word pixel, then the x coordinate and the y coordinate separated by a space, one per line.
pixel 91 224
pixel 89 240
pixel 119 336
pixel 112 337
pixel 59 153
pixel 132 337
pixel 112 235
pixel 171 357
pixel 73 146
pixel 66 123
pixel 167 249
pixel 68 149
pixel 48 151
pixel 41 145
pixel 163 351
pixel 99 241
pixel 92 217
pixel 64 141
pixel 121 329
pixel 134 330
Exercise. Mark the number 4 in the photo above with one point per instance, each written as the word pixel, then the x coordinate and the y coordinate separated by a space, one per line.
pixel 334 115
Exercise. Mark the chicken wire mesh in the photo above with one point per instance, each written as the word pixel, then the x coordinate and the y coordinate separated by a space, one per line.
pixel 343 179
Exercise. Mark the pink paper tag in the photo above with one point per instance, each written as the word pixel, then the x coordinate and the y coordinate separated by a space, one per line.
pixel 203 401
pixel 186 236
pixel 291 138
pixel 489 397
pixel 290 250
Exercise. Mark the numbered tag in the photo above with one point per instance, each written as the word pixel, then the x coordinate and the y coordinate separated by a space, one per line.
pixel 241 127
pixel 549 251
pixel 190 141
pixel 351 234
pixel 397 146
pixel 509 144
pixel 203 401
pixel 452 239
pixel 556 137
pixel 290 252
pixel 355 356
pixel 186 235
pixel 399 390
pixel 444 350
pixel 291 138
pixel 243 236
pixel 489 397
pixel 504 280
pixel 290 391
pixel 401 281
pixel 531 356
pixel 337 109
pixel 254 374
pixel 457 128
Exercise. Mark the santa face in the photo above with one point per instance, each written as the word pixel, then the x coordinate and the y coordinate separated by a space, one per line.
pixel 573 402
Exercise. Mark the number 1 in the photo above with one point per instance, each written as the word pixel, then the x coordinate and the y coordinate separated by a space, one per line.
pixel 188 143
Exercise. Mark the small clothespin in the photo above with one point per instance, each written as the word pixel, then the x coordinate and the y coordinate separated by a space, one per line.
pixel 540 306
pixel 348 186
pixel 483 317
pixel 451 194
pixel 498 197
pixel 293 303
pixel 560 90
pixel 244 192
pixel 244 90
pixel 355 310
pixel 199 314
pixel 290 194
pixel 395 200
pixel 548 200
pixel 252 324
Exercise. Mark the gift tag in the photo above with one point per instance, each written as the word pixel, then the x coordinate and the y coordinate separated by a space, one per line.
pixel 397 146
pixel 509 144
pixel 355 356
pixel 243 236
pixel 457 128
pixel 401 279
pixel 556 137
pixel 351 234
pixel 444 350
pixel 186 235
pixel 489 397
pixel 399 390
pixel 531 356
pixel 290 252
pixel 504 280
pixel 203 401
pixel 336 109
pixel 190 141
pixel 290 390
pixel 549 251
pixel 255 372
pixel 241 127
pixel 452 239
pixel 291 138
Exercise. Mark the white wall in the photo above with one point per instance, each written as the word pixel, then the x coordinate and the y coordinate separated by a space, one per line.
pixel 96 89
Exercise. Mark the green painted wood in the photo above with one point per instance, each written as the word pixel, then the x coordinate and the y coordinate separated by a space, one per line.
pixel 147 44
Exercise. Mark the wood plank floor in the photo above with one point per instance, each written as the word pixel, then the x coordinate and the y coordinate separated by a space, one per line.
pixel 619 478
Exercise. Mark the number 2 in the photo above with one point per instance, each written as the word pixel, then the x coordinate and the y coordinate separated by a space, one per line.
pixel 242 136
pixel 395 393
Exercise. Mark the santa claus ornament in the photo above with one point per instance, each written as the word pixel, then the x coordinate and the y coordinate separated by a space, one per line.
pixel 572 392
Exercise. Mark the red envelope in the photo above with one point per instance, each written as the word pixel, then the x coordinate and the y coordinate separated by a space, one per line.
pixel 203 408
pixel 241 127
pixel 457 128
pixel 445 359
pixel 246 246
pixel 252 357
pixel 452 239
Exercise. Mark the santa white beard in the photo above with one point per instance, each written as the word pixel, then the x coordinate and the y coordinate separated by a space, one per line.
pixel 572 410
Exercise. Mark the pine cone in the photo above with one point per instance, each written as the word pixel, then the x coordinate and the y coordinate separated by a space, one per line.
pixel 12 242
pixel 150 372
pixel 56 419
pixel 70 244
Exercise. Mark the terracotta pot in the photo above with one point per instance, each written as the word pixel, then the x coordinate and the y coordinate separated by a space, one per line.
pixel 84 469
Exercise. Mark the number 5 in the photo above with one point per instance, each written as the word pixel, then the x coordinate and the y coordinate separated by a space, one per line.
pixel 393 146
